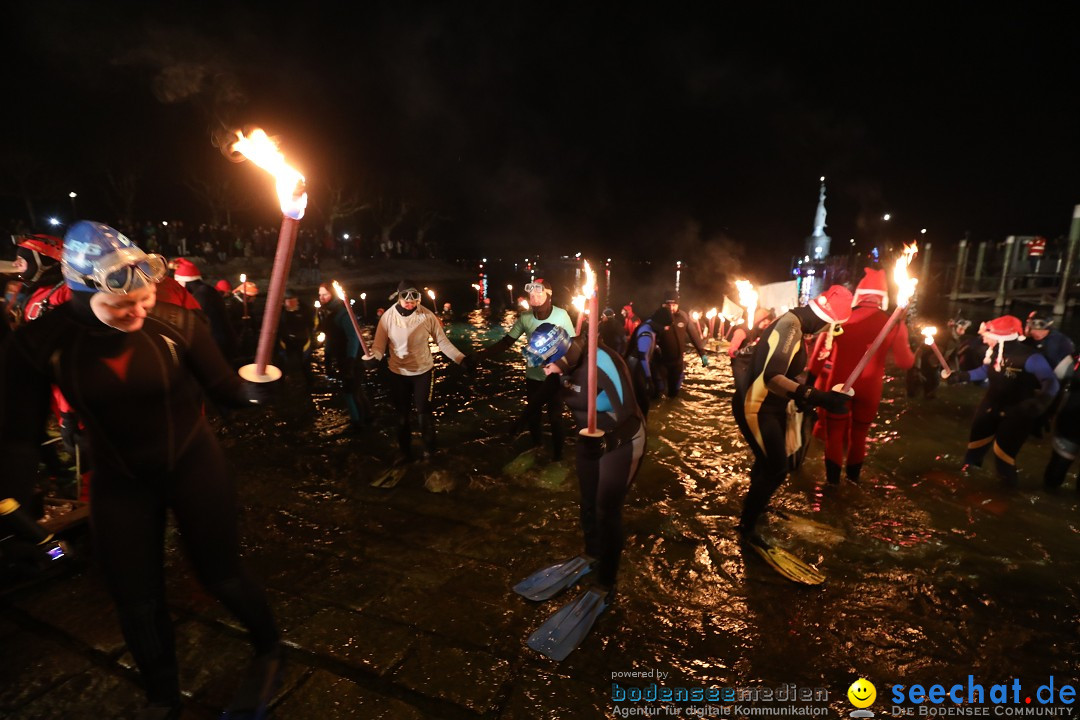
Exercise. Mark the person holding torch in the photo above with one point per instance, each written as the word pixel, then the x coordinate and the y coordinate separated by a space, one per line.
pixel 607 462
pixel 137 372
pixel 1021 387
pixel 845 433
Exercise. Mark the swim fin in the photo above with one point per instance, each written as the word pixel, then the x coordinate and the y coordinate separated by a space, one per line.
pixel 550 581
pixel 561 634
pixel 785 563
pixel 260 682
pixel 389 477
pixel 522 463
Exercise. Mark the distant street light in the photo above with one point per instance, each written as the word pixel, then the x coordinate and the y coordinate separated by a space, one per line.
pixel 887 217
pixel 923 231
pixel 53 221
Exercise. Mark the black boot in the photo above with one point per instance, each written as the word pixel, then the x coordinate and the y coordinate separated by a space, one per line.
pixel 1056 469
pixel 832 472
pixel 853 472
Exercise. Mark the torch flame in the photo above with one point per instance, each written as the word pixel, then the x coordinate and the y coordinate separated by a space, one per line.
pixel 905 285
pixel 928 334
pixel 590 282
pixel 579 303
pixel 338 290
pixel 477 287
pixel 711 314
pixel 431 294
pixel 748 298
pixel 523 303
pixel 695 315
pixel 261 150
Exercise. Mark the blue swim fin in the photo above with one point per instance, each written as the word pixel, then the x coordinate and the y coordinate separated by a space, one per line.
pixel 550 581
pixel 561 634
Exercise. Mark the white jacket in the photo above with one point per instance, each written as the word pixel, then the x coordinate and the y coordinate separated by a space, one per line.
pixel 407 337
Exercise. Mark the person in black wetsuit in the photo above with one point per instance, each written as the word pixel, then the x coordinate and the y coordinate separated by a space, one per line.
pixel 605 465
pixel 673 331
pixel 772 378
pixel 1021 387
pixel 136 372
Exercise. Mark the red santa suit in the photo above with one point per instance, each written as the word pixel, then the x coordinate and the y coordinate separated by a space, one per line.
pixel 845 435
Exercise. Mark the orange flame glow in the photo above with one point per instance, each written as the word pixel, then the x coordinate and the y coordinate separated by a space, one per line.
pixel 711 314
pixel 590 281
pixel 928 334
pixel 339 290
pixel 748 298
pixel 261 150
pixel 523 303
pixel 905 284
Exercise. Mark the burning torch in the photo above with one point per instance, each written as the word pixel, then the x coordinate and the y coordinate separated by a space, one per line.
pixel 594 338
pixel 905 289
pixel 292 194
pixel 711 316
pixel 340 291
pixel 579 304
pixel 243 294
pixel 431 294
pixel 479 302
pixel 510 293
pixel 928 338
pixel 748 298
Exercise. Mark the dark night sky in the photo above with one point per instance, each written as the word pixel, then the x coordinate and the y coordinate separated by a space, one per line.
pixel 564 127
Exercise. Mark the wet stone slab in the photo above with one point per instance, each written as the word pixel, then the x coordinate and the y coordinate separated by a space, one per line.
pixel 469 678
pixel 541 696
pixel 31 666
pixel 329 697
pixel 358 640
pixel 92 695
pixel 79 607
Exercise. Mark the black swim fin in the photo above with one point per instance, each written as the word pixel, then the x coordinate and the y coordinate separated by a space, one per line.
pixel 260 682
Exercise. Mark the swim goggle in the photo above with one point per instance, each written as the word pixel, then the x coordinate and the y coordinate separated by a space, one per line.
pixel 127 269
pixel 535 287
pixel 410 295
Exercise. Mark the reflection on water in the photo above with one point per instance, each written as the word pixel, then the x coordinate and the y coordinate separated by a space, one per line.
pixel 932 574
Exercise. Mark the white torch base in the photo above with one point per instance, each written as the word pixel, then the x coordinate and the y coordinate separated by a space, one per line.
pixel 250 373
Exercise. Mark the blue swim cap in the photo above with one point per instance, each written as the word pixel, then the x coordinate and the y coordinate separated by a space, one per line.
pixel 100 258
pixel 548 343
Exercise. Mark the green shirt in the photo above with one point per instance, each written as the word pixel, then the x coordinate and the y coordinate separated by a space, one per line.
pixel 527 322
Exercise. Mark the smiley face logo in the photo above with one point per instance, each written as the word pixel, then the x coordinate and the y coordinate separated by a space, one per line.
pixel 862 693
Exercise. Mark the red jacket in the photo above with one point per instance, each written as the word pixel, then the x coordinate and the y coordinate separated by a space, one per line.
pixel 848 348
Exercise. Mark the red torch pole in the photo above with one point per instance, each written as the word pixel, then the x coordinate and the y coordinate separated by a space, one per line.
pixel 352 316
pixel 275 295
pixel 898 313
pixel 594 339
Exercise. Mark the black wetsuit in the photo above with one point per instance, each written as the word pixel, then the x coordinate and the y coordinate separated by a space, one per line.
pixel 1066 443
pixel 1021 387
pixel 671 339
pixel 140 396
pixel 605 466
pixel 763 388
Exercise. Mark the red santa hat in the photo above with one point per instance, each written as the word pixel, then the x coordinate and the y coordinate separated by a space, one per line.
pixel 1001 330
pixel 186 272
pixel 223 286
pixel 833 306
pixel 873 286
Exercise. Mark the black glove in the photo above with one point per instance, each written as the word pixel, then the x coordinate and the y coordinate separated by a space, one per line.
pixel 369 363
pixel 807 396
pixel 958 377
pixel 593 446
pixel 650 389
pixel 69 431
pixel 468 362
